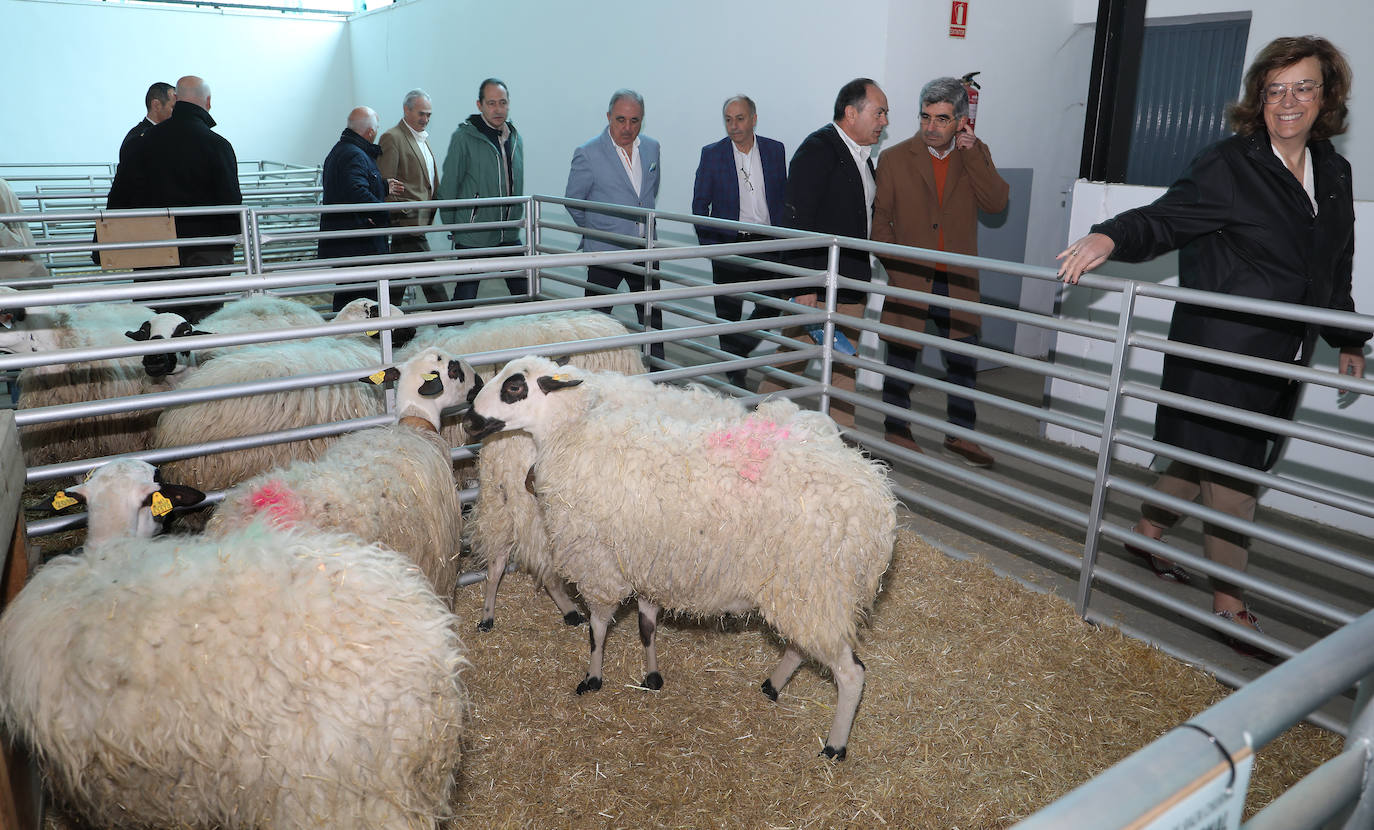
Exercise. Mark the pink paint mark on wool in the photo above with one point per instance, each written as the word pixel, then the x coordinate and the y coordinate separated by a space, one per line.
pixel 278 501
pixel 748 445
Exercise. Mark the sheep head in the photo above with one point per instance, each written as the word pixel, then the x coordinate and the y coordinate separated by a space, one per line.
pixel 521 396
pixel 365 308
pixel 164 326
pixel 429 383
pixel 124 498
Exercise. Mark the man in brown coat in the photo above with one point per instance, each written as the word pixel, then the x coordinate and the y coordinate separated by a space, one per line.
pixel 406 157
pixel 930 189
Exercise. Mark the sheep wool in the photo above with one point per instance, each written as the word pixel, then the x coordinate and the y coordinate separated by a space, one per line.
pixel 392 485
pixel 271 678
pixel 54 384
pixel 505 524
pixel 704 509
pixel 214 420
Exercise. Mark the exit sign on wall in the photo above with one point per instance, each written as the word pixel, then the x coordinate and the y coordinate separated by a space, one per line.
pixel 958 18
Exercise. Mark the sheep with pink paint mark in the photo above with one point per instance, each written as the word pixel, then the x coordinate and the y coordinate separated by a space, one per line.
pixel 689 502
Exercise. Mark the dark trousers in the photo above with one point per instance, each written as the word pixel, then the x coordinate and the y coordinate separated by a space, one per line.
pixel 435 292
pixel 518 286
pixel 611 278
pixel 961 370
pixel 731 307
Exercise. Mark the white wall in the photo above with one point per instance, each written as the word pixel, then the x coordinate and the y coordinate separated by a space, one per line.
pixel 1302 461
pixel 280 87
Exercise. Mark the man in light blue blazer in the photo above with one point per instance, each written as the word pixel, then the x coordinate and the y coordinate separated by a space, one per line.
pixel 620 167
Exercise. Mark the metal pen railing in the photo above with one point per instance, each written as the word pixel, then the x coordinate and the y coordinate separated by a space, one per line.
pixel 1075 518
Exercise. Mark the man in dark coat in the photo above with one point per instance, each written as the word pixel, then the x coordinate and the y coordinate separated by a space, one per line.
pixel 183 163
pixel 830 189
pixel 350 177
pixel 159 100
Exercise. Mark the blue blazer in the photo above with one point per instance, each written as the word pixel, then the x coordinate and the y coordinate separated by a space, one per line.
pixel 716 193
pixel 597 175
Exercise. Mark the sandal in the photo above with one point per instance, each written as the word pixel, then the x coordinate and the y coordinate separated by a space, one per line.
pixel 1167 571
pixel 1244 617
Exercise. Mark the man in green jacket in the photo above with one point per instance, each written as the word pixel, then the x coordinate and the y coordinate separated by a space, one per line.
pixel 485 159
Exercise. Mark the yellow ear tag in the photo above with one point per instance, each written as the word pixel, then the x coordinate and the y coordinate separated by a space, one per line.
pixel 562 377
pixel 431 376
pixel 377 377
pixel 161 505
pixel 62 501
pixel 372 333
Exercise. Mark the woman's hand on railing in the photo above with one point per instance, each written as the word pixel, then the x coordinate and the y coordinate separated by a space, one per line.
pixel 1084 255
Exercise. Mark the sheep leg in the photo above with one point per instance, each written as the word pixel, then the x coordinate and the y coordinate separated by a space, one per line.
pixel 849 682
pixel 791 660
pixel 601 620
pixel 648 627
pixel 496 569
pixel 557 592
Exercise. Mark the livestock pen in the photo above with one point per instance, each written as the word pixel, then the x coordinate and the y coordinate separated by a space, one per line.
pixel 1014 719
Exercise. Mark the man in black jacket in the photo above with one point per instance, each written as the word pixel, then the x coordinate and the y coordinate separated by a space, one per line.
pixel 830 189
pixel 181 163
pixel 158 101
pixel 350 177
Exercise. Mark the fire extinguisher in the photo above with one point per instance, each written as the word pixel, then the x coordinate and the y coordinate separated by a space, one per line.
pixel 972 87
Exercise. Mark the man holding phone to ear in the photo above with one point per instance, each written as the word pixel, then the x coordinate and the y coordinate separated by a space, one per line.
pixel 930 189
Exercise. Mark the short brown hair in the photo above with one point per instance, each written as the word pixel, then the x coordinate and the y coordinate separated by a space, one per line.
pixel 1247 114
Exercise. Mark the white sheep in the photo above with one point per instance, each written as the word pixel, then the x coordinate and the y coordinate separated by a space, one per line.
pixel 768 512
pixel 44 329
pixel 194 423
pixel 270 678
pixel 391 484
pixel 505 524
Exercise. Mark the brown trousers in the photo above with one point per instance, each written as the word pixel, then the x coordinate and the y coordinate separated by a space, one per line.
pixel 842 412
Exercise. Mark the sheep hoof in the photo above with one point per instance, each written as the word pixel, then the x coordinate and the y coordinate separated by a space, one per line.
pixel 653 680
pixel 573 618
pixel 834 754
pixel 769 690
pixel 589 684
pixel 486 625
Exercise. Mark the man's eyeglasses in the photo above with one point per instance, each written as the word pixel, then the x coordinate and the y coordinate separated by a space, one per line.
pixel 1303 91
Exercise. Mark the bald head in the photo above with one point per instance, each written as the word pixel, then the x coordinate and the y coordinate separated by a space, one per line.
pixel 363 121
pixel 194 89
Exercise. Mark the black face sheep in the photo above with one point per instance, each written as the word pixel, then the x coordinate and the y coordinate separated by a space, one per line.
pixel 44 329
pixel 269 678
pixel 768 512
pixel 505 523
pixel 392 484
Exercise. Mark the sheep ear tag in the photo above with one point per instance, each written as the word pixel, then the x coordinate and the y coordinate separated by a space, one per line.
pixel 373 333
pixel 433 386
pixel 61 501
pixel 161 505
pixel 553 383
pixel 381 376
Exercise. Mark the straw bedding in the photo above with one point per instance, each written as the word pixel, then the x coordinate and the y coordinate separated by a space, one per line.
pixel 985 702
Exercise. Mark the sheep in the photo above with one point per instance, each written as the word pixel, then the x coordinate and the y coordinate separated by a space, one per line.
pixel 268 678
pixel 391 484
pixel 365 308
pixel 252 313
pixel 768 512
pixel 505 520
pixel 50 328
pixel 213 420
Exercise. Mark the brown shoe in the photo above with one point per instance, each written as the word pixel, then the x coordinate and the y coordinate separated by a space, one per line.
pixel 902 438
pixel 973 455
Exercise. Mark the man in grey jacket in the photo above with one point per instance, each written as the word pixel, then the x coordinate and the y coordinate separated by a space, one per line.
pixel 486 158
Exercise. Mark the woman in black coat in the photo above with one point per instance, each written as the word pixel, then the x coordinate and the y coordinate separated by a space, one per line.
pixel 1269 214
